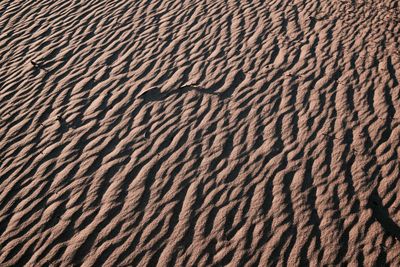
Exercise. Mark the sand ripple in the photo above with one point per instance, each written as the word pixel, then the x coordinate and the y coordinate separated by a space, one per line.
pixel 196 133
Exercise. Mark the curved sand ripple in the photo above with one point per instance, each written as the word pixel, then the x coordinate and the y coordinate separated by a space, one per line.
pixel 199 132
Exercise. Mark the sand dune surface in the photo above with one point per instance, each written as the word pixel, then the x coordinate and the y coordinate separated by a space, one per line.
pixel 199 133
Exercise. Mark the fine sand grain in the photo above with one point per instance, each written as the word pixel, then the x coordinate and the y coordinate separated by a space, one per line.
pixel 192 133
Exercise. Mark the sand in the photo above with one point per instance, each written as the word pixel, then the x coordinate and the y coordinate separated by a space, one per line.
pixel 193 133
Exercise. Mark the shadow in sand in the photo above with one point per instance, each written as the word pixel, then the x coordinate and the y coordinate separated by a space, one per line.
pixel 39 65
pixel 64 125
pixel 381 214
pixel 155 94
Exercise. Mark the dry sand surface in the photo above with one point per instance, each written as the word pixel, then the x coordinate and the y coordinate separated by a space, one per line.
pixel 192 133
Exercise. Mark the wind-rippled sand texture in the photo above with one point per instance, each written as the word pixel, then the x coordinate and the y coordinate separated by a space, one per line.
pixel 196 133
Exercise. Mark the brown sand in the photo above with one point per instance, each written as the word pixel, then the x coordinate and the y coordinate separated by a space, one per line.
pixel 199 132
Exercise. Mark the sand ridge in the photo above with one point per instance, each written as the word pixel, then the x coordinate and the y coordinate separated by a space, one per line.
pixel 195 133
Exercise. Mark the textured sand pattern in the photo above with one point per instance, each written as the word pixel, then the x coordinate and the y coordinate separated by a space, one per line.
pixel 196 133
